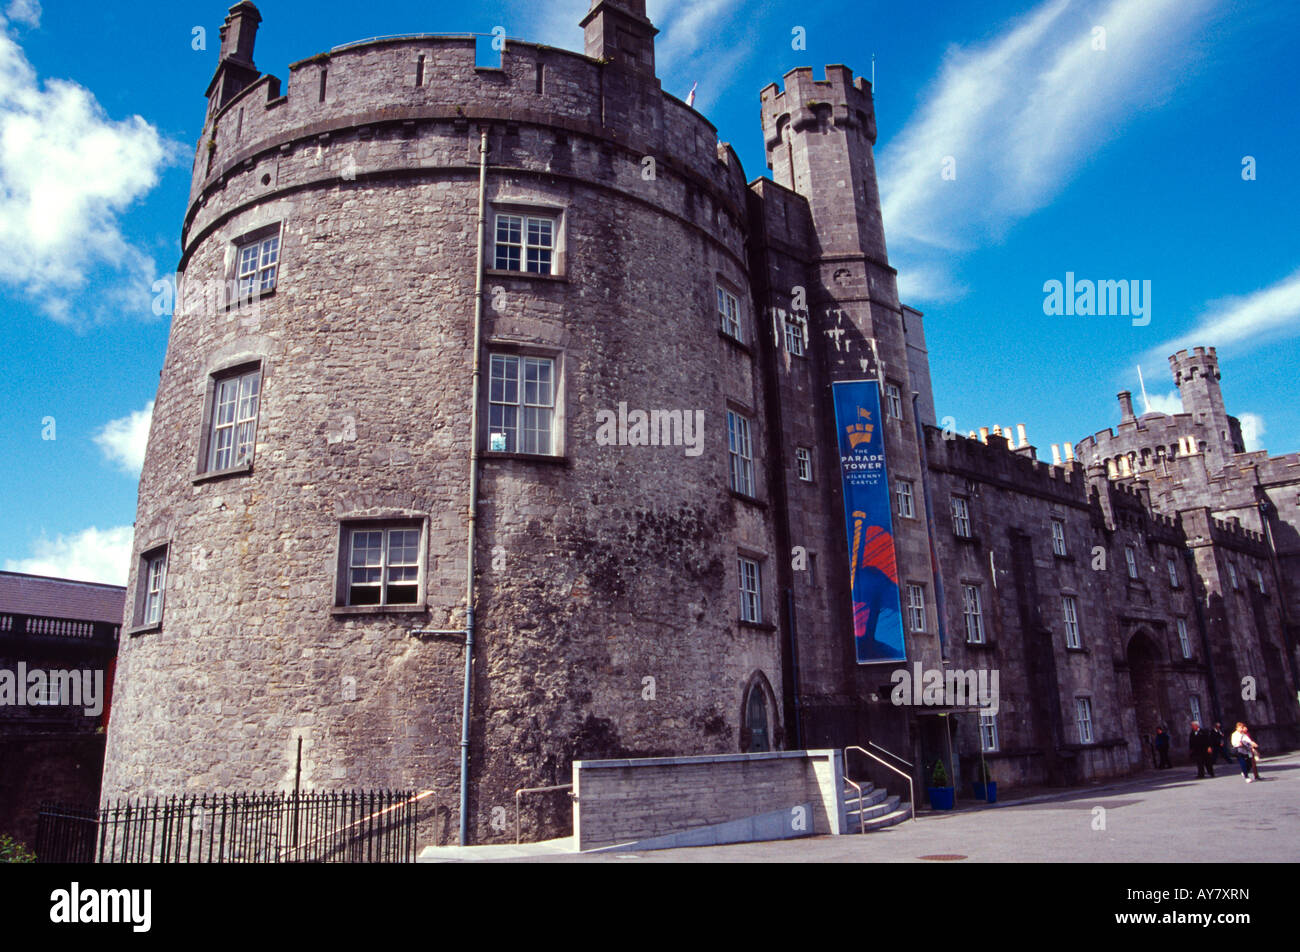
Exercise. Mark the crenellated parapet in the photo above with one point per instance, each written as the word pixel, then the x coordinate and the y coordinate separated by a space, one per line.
pixel 806 103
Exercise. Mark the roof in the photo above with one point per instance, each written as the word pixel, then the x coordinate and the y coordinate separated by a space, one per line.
pixel 61 598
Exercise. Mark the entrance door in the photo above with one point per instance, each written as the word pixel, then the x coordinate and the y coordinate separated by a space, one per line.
pixel 1146 694
pixel 756 721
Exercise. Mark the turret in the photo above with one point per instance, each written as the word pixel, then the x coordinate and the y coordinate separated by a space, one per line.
pixel 1196 373
pixel 618 32
pixel 235 71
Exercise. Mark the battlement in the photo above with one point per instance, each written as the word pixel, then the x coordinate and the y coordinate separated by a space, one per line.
pixel 1187 364
pixel 997 461
pixel 806 103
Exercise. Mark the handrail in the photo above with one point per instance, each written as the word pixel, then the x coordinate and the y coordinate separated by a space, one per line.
pixel 522 790
pixel 911 790
pixel 862 824
pixel 890 753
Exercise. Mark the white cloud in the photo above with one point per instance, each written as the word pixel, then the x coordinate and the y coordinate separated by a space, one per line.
pixel 1169 403
pixel 92 555
pixel 1020 113
pixel 123 440
pixel 1252 431
pixel 67 172
pixel 1247 321
pixel 25 11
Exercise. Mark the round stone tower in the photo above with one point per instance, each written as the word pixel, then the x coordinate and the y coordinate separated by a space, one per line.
pixel 304 507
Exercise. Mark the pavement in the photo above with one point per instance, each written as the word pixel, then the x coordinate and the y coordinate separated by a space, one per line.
pixel 1158 817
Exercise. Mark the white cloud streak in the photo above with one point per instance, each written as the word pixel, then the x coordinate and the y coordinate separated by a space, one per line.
pixel 1244 322
pixel 123 440
pixel 67 172
pixel 92 555
pixel 27 12
pixel 1021 113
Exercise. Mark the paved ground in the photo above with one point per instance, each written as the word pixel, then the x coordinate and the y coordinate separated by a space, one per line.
pixel 1165 816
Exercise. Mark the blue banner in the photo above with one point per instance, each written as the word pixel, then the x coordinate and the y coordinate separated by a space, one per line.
pixel 868 521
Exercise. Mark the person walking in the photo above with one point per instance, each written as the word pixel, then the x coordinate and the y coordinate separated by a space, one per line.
pixel 1245 749
pixel 1223 750
pixel 1216 741
pixel 1162 749
pixel 1200 750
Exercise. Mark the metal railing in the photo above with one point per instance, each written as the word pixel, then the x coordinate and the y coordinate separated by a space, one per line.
pixel 862 823
pixel 911 790
pixel 523 790
pixel 376 826
pixel 905 763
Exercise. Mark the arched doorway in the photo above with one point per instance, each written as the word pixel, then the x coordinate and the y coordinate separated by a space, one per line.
pixel 1143 658
pixel 759 730
pixel 756 721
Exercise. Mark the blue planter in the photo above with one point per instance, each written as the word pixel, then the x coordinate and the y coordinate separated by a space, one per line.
pixel 980 790
pixel 942 798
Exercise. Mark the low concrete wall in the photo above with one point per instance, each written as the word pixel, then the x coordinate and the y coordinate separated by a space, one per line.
pixel 626 801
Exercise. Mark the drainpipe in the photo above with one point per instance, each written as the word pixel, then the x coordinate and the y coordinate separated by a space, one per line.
pixel 473 490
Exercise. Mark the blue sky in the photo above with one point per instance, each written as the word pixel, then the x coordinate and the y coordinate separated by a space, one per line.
pixel 1114 154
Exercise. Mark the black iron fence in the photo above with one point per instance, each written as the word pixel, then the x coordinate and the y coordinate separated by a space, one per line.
pixel 376 826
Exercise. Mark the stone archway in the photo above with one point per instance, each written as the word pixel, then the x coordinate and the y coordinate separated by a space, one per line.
pixel 759 729
pixel 1144 678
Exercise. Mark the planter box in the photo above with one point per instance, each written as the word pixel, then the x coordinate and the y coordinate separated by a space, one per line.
pixel 942 798
pixel 987 791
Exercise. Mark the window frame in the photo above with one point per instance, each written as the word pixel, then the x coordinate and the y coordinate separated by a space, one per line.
pixel 1058 538
pixel 1194 702
pixel 905 490
pixel 1184 639
pixel 205 467
pixel 977 615
pixel 960 518
pixel 1232 576
pixel 795 344
pixel 803 463
pixel 893 395
pixel 526 217
pixel 1174 580
pixel 260 237
pixel 156 554
pixel 751 600
pixel 1083 717
pixel 916 608
pixel 732 323
pixel 1070 617
pixel 521 357
pixel 1130 561
pixel 742 454
pixel 988 730
pixel 386 524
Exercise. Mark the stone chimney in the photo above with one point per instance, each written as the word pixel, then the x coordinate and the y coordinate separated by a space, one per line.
pixel 1125 406
pixel 235 71
pixel 618 32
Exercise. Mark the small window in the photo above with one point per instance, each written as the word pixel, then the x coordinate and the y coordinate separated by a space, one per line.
pixel 1070 611
pixel 1194 703
pixel 521 404
pixel 151 587
pixel 232 425
pixel 1232 575
pixel 1130 559
pixel 741 453
pixel 751 591
pixel 525 243
pixel 803 459
pixel 961 517
pixel 1058 537
pixel 794 337
pixel 988 732
pixel 729 314
pixel 383 564
pixel 1259 581
pixel 894 401
pixel 1173 573
pixel 915 607
pixel 972 614
pixel 257 264
pixel 1183 641
pixel 1083 709
pixel 906 504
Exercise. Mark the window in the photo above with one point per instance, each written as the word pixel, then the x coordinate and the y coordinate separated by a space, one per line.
pixel 1259 581
pixel 1195 704
pixel 803 459
pixel 741 452
pixel 915 607
pixel 1130 559
pixel 903 492
pixel 1058 537
pixel 794 342
pixel 729 312
pixel 521 404
pixel 893 401
pixel 988 732
pixel 257 263
pixel 152 584
pixel 1173 573
pixel 233 421
pixel 1083 707
pixel 383 564
pixel 1183 641
pixel 525 243
pixel 1232 575
pixel 1070 609
pixel 961 517
pixel 972 614
pixel 751 591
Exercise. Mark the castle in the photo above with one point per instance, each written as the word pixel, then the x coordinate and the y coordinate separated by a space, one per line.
pixel 385 537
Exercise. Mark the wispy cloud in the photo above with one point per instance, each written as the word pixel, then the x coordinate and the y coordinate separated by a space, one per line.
pixel 67 173
pixel 25 11
pixel 1020 113
pixel 1169 403
pixel 92 555
pixel 1252 431
pixel 1247 321
pixel 123 440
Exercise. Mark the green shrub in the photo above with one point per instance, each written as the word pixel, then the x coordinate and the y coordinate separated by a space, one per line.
pixel 940 776
pixel 11 851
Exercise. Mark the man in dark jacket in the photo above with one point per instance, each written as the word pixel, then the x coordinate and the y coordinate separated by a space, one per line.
pixel 1162 749
pixel 1201 749
pixel 1217 741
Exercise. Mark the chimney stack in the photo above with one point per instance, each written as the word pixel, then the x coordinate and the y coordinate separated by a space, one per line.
pixel 1126 406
